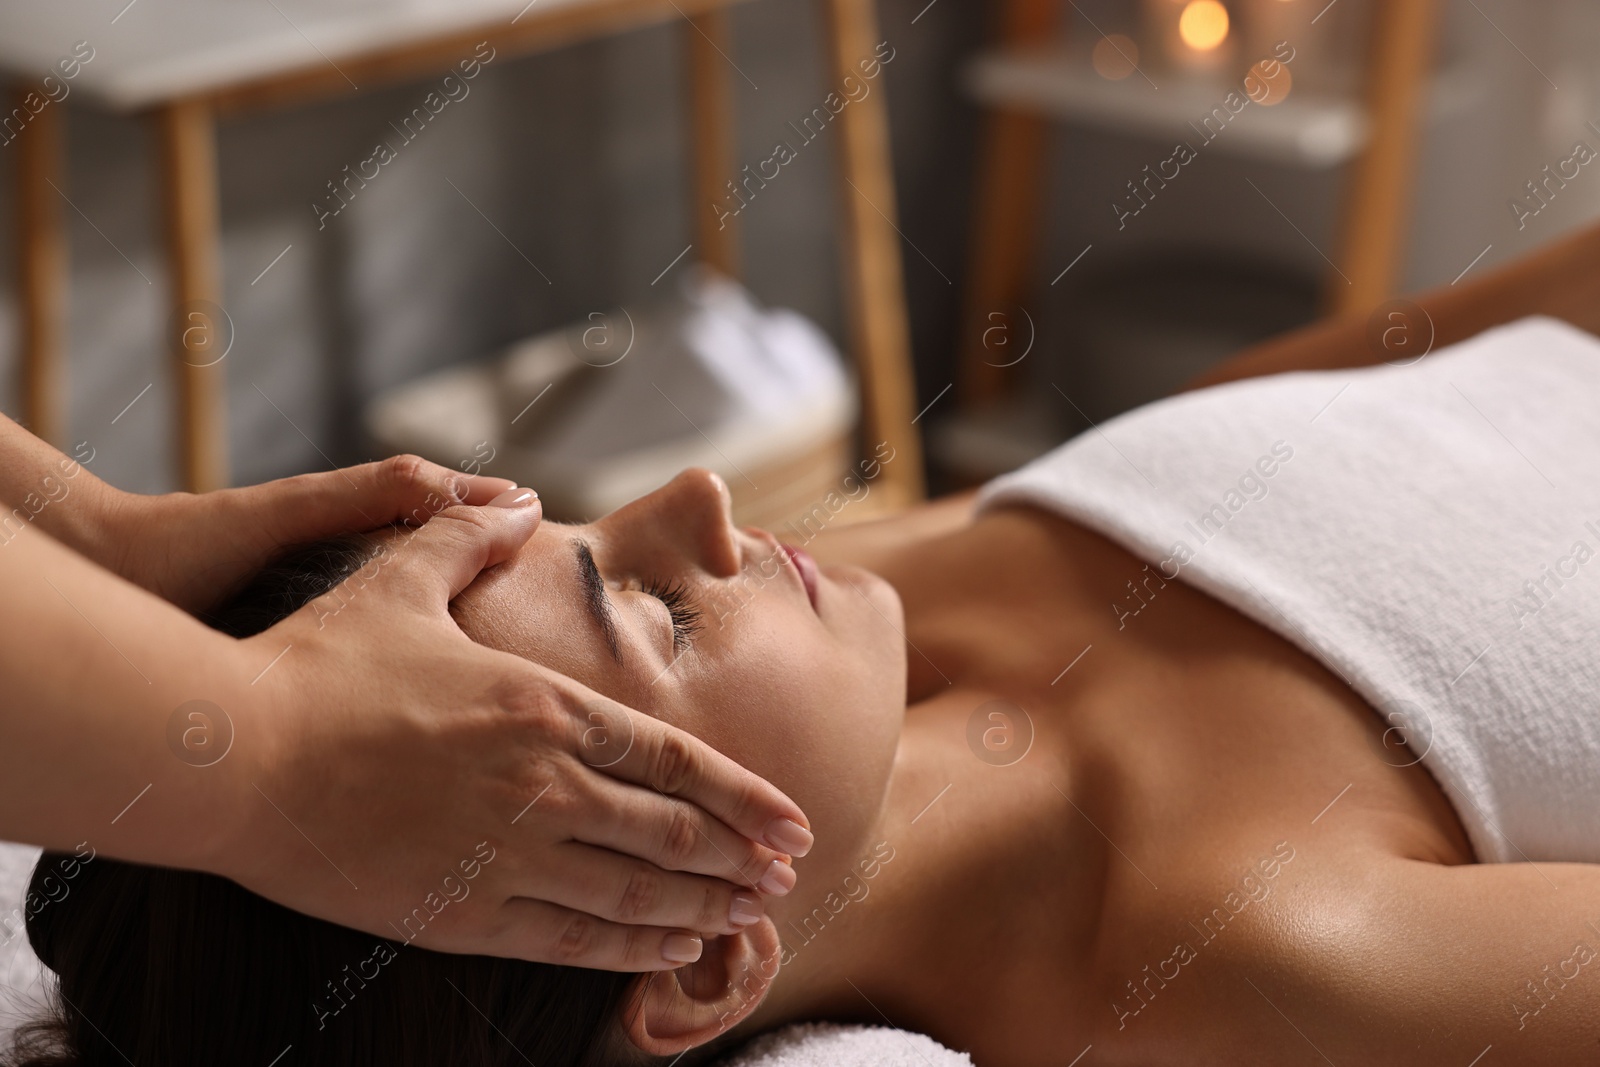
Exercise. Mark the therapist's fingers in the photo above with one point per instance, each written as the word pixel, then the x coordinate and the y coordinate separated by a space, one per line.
pixel 672 763
pixel 398 489
pixel 537 930
pixel 622 889
pixel 440 559
pixel 409 489
pixel 677 836
pixel 231 534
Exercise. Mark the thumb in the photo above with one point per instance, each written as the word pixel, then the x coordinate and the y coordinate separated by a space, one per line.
pixel 409 489
pixel 442 557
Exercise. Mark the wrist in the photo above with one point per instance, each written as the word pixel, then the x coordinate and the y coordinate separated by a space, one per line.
pixel 140 537
pixel 105 528
pixel 228 745
pixel 74 507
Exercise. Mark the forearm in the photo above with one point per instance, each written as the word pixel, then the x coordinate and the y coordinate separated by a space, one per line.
pixel 94 671
pixel 45 489
pixel 1328 344
pixel 1559 279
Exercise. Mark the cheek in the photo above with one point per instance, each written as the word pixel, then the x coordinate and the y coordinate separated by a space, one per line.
pixel 814 711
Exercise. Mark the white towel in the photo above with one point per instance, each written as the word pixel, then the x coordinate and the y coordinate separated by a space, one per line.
pixel 21 974
pixel 835 1045
pixel 1430 532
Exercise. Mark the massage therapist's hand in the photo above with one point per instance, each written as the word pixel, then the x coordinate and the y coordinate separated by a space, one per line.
pixel 417 785
pixel 193 549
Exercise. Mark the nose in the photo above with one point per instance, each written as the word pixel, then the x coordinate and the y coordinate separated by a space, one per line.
pixel 694 513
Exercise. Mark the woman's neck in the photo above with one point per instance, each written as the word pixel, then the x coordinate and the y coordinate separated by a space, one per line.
pixel 977 863
pixel 973 868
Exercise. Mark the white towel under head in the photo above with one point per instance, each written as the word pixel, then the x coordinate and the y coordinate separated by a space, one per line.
pixel 22 976
pixel 1430 532
pixel 835 1045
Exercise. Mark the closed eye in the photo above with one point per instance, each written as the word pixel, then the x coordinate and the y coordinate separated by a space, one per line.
pixel 686 618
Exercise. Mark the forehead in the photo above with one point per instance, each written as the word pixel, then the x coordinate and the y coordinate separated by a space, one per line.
pixel 550 544
pixel 532 606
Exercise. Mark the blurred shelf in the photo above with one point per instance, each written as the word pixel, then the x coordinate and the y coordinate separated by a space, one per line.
pixel 1308 129
pixel 1312 128
pixel 167 49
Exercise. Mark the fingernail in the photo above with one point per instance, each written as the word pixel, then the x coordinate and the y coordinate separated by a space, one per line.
pixel 680 948
pixel 514 498
pixel 745 909
pixel 788 836
pixel 488 481
pixel 778 880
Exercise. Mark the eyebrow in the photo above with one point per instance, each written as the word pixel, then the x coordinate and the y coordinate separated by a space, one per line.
pixel 595 599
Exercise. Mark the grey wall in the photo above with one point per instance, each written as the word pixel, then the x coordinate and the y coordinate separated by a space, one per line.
pixel 577 157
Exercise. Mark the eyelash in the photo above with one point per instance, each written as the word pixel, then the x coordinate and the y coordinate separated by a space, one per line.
pixel 685 616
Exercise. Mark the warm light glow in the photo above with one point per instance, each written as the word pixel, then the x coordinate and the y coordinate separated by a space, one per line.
pixel 1269 82
pixel 1203 24
pixel 1115 57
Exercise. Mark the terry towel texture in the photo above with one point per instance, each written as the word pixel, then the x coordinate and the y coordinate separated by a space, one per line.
pixel 831 1045
pixel 22 976
pixel 1429 532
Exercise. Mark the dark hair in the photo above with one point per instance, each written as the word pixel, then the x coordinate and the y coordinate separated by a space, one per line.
pixel 176 968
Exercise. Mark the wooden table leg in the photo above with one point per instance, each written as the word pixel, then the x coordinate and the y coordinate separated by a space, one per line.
pixel 707 42
pixel 1008 203
pixel 1377 205
pixel 195 337
pixel 870 247
pixel 41 271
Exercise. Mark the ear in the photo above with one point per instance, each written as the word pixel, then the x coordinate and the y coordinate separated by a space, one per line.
pixel 667 1012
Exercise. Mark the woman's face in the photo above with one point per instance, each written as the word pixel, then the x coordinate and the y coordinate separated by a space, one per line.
pixel 796 672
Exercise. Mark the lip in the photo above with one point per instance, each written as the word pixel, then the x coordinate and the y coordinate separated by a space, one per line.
pixel 807 569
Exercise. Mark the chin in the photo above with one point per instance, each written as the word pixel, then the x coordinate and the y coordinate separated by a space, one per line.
pixel 873 622
pixel 878 592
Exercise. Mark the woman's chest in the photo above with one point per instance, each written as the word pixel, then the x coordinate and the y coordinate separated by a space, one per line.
pixel 1176 715
pixel 1201 734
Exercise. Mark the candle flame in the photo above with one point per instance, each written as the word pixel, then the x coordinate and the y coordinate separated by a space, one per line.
pixel 1203 24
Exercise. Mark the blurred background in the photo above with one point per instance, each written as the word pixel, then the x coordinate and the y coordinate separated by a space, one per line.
pixel 1030 235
